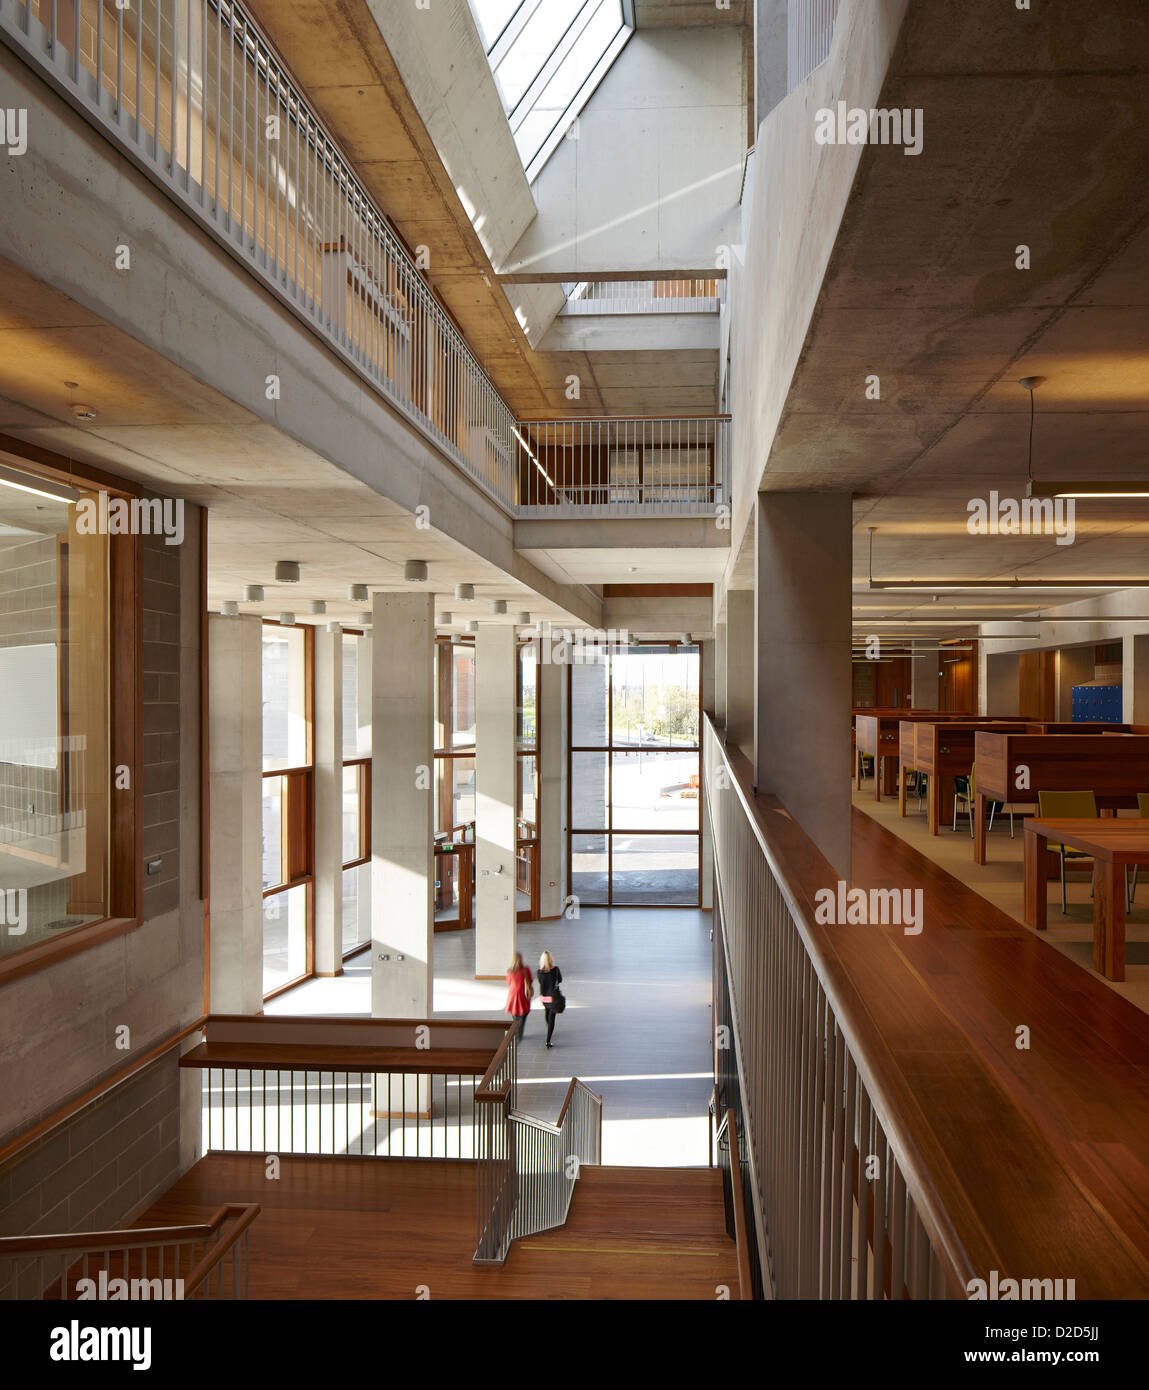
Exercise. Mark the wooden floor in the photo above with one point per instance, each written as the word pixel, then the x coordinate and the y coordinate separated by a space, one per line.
pixel 340 1228
pixel 1072 1107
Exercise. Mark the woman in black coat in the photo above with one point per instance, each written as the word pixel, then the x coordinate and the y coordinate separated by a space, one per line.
pixel 550 977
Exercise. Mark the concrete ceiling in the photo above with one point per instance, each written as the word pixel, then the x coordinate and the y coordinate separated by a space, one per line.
pixel 1035 134
pixel 270 498
pixel 340 60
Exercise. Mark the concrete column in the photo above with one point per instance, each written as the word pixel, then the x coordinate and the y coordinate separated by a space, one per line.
pixel 327 731
pixel 1135 678
pixel 720 670
pixel 402 792
pixel 363 748
pixel 924 681
pixel 740 670
pixel 235 707
pixel 495 922
pixel 552 802
pixel 803 554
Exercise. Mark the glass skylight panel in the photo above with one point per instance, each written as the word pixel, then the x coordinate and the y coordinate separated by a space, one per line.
pixel 547 57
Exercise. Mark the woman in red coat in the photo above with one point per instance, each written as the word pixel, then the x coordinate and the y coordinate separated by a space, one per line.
pixel 520 985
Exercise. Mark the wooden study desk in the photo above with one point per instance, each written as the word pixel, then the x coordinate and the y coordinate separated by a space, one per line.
pixel 1015 767
pixel 942 752
pixel 877 734
pixel 1113 845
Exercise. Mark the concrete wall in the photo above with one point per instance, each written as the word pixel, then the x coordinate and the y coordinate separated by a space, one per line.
pixel 652 181
pixel 740 661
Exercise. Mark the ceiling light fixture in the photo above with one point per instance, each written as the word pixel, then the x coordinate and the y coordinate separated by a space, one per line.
pixel 287 620
pixel 37 486
pixel 464 593
pixel 357 593
pixel 253 593
pixel 317 606
pixel 523 619
pixel 287 572
pixel 443 620
pixel 498 606
pixel 415 571
pixel 229 608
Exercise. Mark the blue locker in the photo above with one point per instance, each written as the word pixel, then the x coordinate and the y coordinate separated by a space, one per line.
pixel 1097 702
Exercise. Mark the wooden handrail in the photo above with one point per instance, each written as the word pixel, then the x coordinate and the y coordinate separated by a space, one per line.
pixel 244 1213
pixel 484 1091
pixel 745 1284
pixel 103 1240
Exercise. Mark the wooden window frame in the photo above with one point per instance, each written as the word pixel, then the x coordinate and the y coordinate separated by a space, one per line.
pixel 125 863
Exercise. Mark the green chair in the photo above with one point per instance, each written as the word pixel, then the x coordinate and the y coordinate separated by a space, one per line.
pixel 1143 812
pixel 965 793
pixel 1066 805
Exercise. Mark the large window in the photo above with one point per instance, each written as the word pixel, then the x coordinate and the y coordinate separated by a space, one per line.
pixel 547 57
pixel 454 781
pixel 288 808
pixel 527 781
pixel 356 794
pixel 635 777
pixel 62 714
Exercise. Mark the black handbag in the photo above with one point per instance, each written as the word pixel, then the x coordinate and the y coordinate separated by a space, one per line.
pixel 558 1001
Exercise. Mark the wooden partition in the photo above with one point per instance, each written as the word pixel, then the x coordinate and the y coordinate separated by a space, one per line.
pixel 1115 770
pixel 876 733
pixel 942 751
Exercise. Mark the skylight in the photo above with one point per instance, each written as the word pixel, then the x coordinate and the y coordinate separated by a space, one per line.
pixel 547 57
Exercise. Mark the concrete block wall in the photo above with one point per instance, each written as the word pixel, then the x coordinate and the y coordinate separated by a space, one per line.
pixel 107 1163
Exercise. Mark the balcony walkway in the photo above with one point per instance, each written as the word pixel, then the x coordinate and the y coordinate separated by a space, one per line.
pixel 345 1228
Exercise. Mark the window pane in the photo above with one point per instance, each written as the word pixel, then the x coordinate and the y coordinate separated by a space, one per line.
pixel 589 869
pixel 356 726
pixel 284 937
pixel 491 17
pixel 352 812
pixel 655 698
pixel 285 733
pixel 527 732
pixel 54 726
pixel 588 791
pixel 528 791
pixel 655 869
pixel 274 868
pixel 590 686
pixel 454 792
pixel 356 906
pixel 654 791
pixel 535 43
pixel 462 697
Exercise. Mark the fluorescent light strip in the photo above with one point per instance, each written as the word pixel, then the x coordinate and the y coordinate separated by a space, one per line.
pixel 532 457
pixel 37 486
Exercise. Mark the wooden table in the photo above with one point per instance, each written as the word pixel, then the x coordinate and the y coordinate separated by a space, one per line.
pixel 1113 845
pixel 941 752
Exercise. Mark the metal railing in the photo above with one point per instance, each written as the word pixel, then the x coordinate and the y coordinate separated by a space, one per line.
pixel 838 1211
pixel 196 97
pixel 809 35
pixel 498 1188
pixel 194 94
pixel 644 296
pixel 339 1113
pixel 548 1159
pixel 733 1172
pixel 207 1260
pixel 624 467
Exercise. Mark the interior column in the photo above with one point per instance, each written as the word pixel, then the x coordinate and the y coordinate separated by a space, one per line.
pixel 235 733
pixel 495 799
pixel 740 670
pixel 803 597
pixel 402 781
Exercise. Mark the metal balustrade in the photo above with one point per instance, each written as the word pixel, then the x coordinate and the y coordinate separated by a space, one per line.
pixel 340 1113
pixel 809 36
pixel 497 1186
pixel 645 296
pixel 548 1159
pixel 192 92
pixel 204 1261
pixel 625 467
pixel 837 1209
